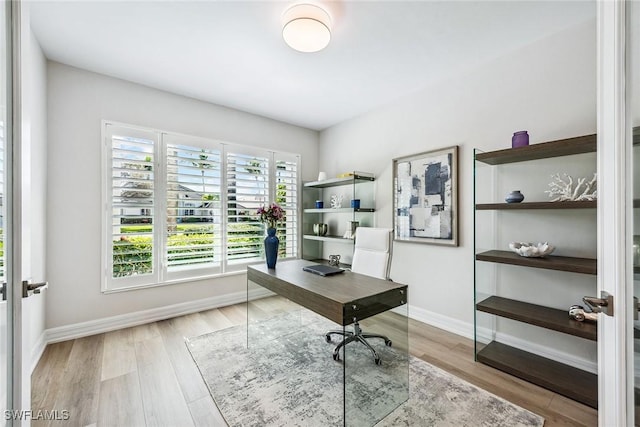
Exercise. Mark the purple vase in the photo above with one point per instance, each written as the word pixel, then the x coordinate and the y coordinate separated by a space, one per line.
pixel 520 139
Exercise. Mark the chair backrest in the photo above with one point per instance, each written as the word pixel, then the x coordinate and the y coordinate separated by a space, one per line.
pixel 372 254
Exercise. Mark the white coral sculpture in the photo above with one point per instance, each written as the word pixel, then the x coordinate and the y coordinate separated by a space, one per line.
pixel 563 190
pixel 336 201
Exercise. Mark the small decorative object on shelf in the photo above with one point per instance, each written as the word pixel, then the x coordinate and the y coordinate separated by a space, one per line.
pixel 537 250
pixel 514 197
pixel 336 201
pixel 355 203
pixel 520 139
pixel 351 229
pixel 563 190
pixel 320 229
pixel 345 175
pixel 577 312
pixel 319 204
pixel 322 176
pixel 334 260
pixel 271 215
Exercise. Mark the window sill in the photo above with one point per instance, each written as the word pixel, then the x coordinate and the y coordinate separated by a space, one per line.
pixel 174 282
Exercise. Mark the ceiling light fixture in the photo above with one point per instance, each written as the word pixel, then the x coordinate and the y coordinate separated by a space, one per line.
pixel 306 27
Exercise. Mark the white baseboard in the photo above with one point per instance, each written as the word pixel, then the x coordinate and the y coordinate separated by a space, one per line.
pixel 92 327
pixel 441 321
pixel 437 320
pixel 38 349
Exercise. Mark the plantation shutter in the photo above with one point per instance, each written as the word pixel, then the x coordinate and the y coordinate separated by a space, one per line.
pixel 247 190
pixel 194 215
pixel 133 211
pixel 181 208
pixel 286 195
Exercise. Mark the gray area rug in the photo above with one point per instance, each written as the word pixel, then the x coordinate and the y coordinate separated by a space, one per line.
pixel 288 378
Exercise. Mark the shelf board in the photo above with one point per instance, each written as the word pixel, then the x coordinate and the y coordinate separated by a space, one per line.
pixel 336 239
pixel 560 263
pixel 566 380
pixel 545 317
pixel 583 204
pixel 334 182
pixel 544 150
pixel 338 210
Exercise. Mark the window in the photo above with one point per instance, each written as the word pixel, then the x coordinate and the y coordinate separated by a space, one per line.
pixel 183 208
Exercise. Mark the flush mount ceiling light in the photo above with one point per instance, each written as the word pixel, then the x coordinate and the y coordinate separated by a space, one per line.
pixel 306 27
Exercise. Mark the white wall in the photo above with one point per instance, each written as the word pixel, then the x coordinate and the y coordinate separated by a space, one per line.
pixel 547 88
pixel 77 102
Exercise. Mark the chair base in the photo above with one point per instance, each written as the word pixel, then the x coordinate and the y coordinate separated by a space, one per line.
pixel 358 336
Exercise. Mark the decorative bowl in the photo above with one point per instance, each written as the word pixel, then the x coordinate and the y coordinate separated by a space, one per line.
pixel 533 250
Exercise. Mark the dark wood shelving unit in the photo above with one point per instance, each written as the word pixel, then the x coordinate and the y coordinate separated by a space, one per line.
pixel 583 204
pixel 538 315
pixel 561 378
pixel 545 150
pixel 560 263
pixel 566 380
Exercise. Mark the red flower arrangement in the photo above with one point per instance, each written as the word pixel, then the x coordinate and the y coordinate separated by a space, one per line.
pixel 271 214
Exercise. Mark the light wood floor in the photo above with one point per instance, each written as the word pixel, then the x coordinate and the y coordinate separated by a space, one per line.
pixel 144 376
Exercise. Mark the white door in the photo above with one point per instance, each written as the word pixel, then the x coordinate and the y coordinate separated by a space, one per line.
pixel 618 181
pixel 11 369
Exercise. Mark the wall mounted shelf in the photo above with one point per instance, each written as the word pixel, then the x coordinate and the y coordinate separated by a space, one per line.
pixel 587 204
pixel 335 239
pixel 360 186
pixel 560 263
pixel 545 150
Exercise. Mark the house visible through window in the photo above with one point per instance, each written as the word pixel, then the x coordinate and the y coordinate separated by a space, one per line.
pixel 183 208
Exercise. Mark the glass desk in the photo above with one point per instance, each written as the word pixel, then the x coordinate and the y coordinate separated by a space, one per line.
pixel 353 390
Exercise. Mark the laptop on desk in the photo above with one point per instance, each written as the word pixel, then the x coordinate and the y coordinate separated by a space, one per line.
pixel 323 270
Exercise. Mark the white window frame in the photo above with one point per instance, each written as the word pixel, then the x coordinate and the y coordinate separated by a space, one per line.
pixel 160 275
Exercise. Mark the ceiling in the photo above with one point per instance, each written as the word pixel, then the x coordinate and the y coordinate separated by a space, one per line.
pixel 231 53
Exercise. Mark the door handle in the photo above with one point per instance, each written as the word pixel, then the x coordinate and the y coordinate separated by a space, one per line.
pixel 636 308
pixel 604 304
pixel 32 287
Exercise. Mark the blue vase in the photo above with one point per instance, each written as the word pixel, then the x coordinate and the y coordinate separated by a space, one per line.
pixel 514 197
pixel 271 243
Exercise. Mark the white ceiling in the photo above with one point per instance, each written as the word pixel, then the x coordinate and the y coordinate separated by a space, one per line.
pixel 231 52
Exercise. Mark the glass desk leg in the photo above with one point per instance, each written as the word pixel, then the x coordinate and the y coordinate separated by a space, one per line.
pixel 376 374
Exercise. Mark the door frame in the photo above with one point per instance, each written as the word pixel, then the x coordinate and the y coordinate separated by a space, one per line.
pixel 615 226
pixel 13 200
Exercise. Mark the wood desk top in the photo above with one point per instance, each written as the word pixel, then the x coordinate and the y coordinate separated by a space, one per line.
pixel 340 298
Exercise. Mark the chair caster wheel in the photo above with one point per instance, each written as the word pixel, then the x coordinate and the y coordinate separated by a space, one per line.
pixel 327 337
pixel 336 357
pixel 378 361
pixel 388 343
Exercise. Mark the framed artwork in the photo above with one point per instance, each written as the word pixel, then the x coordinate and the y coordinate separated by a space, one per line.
pixel 425 197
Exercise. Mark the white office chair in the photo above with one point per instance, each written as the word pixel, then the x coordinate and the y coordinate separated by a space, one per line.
pixel 372 256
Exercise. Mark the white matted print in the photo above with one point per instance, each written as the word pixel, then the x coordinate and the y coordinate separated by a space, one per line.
pixel 425 197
